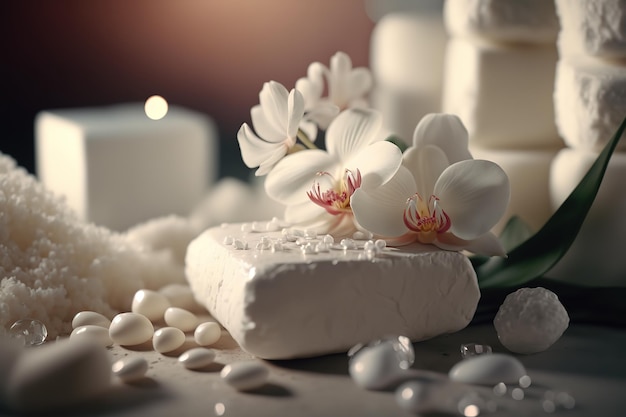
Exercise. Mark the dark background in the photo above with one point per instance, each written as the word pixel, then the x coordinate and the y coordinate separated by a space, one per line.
pixel 208 55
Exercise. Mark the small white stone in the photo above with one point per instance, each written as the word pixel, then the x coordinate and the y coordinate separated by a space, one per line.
pixel 228 240
pixel 91 332
pixel 488 370
pixel 168 339
pixel 130 329
pixel 183 319
pixel 240 244
pixel 207 333
pixel 84 318
pixel 58 375
pixel 379 365
pixel 245 375
pixel 197 358
pixel 151 304
pixel 130 369
pixel 530 320
pixel 180 295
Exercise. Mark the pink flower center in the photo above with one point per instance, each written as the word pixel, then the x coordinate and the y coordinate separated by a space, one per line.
pixel 336 200
pixel 425 219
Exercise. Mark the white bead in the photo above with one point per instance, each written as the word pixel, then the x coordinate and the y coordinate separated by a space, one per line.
pixel 130 329
pixel 168 339
pixel 92 333
pixel 197 358
pixel 150 304
pixel 207 333
pixel 488 369
pixel 84 318
pixel 183 319
pixel 245 375
pixel 130 369
pixel 180 295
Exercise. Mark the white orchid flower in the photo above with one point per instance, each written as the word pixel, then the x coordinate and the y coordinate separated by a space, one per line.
pixel 277 120
pixel 316 185
pixel 440 195
pixel 346 87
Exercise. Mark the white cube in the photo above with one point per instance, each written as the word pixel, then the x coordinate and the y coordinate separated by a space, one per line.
pixel 502 93
pixel 116 167
pixel 590 101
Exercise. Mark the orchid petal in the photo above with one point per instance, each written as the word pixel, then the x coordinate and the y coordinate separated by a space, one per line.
pixel 360 82
pixel 475 194
pixel 323 114
pixel 377 162
pixel 445 131
pixel 273 99
pixel 305 212
pixel 295 111
pixel 256 151
pixel 381 210
pixel 310 129
pixel 426 164
pixel 293 176
pixel 311 92
pixel 351 131
pixel 487 244
pixel 264 128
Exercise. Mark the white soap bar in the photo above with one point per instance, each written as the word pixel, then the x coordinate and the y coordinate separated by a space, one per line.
pixel 117 167
pixel 590 101
pixel 529 176
pixel 596 257
pixel 532 21
pixel 595 28
pixel 407 51
pixel 503 94
pixel 285 304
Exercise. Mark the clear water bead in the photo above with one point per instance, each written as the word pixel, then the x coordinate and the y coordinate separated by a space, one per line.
pixel 474 349
pixel 31 332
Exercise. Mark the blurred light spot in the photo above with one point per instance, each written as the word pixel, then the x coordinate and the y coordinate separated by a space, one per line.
pixel 220 409
pixel 156 107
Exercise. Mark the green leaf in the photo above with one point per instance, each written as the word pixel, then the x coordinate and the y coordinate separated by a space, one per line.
pixel 515 232
pixel 398 141
pixel 535 256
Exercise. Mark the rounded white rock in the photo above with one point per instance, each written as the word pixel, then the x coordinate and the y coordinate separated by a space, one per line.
pixel 58 375
pixel 92 332
pixel 183 319
pixel 377 367
pixel 207 333
pixel 488 370
pixel 130 329
pixel 84 318
pixel 181 296
pixel 130 369
pixel 245 375
pixel 197 358
pixel 530 320
pixel 151 304
pixel 168 339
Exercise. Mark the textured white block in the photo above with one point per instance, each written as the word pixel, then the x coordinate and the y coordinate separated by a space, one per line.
pixel 529 176
pixel 502 93
pixel 532 21
pixel 590 101
pixel 280 305
pixel 595 27
pixel 596 257
pixel 117 167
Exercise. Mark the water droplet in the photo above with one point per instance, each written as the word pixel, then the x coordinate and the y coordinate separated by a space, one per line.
pixel 474 349
pixel 328 239
pixel 348 244
pixel 380 244
pixel 30 331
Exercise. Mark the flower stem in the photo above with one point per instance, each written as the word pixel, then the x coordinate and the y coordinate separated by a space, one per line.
pixel 305 139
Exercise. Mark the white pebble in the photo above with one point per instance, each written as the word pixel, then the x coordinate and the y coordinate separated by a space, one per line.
pixel 197 358
pixel 228 240
pixel 183 319
pixel 207 333
pixel 91 332
pixel 180 295
pixel 151 304
pixel 488 370
pixel 130 329
pixel 58 375
pixel 130 369
pixel 245 375
pixel 84 318
pixel 376 367
pixel 167 339
pixel 530 320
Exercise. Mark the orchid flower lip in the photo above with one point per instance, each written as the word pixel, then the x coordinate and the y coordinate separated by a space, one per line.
pixel 336 200
pixel 426 219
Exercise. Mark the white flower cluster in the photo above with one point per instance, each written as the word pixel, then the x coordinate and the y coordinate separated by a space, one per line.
pixel 433 193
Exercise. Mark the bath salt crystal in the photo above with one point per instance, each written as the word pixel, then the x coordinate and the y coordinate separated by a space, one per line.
pixel 530 320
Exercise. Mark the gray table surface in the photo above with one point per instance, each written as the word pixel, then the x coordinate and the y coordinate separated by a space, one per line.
pixel 588 362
